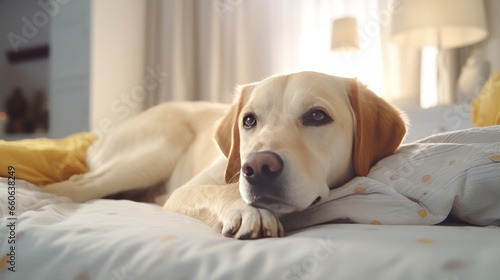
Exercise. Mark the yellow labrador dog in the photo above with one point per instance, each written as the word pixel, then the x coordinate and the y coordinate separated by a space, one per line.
pixel 279 149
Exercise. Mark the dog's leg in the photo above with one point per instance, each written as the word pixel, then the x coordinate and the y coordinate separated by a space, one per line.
pixel 134 169
pixel 207 198
pixel 222 208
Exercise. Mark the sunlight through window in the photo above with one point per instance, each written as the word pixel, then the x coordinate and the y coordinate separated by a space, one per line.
pixel 429 77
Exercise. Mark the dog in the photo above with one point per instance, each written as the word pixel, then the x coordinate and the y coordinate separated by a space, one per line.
pixel 282 145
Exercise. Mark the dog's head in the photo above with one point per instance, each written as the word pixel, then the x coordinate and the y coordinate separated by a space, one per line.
pixel 290 139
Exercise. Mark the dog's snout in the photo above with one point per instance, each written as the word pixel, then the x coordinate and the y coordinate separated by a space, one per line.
pixel 262 167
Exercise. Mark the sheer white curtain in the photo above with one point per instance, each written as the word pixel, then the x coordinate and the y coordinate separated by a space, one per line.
pixel 208 47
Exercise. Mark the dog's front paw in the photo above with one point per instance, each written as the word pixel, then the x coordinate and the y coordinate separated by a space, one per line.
pixel 65 188
pixel 251 223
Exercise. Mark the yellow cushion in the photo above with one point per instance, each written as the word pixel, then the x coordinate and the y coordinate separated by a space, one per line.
pixel 43 161
pixel 486 106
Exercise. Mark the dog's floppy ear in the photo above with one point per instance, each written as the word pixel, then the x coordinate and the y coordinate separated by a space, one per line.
pixel 227 135
pixel 379 128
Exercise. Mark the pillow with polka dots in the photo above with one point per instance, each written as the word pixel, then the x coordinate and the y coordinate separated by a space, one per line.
pixel 422 183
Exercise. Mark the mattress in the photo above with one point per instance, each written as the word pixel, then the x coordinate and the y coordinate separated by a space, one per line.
pixel 50 237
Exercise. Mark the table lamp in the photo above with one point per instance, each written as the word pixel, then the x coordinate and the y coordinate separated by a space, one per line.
pixel 345 35
pixel 442 23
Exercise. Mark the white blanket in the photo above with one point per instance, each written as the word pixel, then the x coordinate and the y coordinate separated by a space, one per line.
pixel 56 238
pixel 421 184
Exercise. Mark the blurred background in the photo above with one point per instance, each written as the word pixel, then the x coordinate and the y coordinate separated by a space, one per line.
pixel 86 65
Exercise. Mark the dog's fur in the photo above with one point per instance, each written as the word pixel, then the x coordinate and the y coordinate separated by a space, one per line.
pixel 297 136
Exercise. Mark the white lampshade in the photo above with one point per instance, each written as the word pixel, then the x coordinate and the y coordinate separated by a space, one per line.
pixel 442 23
pixel 345 34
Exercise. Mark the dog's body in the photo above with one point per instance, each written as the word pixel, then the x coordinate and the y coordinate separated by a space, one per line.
pixel 280 148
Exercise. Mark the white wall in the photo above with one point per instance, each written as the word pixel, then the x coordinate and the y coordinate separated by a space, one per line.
pixel 118 35
pixel 32 75
pixel 98 64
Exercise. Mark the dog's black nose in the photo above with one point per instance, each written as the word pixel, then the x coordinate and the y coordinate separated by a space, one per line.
pixel 262 168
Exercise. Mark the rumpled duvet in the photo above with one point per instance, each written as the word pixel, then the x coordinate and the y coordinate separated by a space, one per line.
pixel 455 173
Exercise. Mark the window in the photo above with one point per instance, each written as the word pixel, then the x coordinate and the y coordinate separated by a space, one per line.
pixel 429 77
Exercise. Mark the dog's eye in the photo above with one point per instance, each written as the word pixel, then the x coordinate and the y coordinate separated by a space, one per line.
pixel 315 117
pixel 249 121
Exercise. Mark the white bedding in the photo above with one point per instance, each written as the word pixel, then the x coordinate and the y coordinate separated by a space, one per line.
pixel 56 238
pixel 124 240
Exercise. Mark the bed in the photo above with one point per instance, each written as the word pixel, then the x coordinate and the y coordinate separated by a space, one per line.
pixel 51 237
pixel 125 240
pixel 430 211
